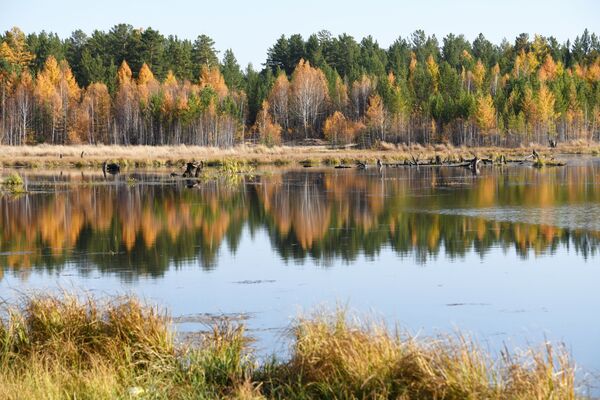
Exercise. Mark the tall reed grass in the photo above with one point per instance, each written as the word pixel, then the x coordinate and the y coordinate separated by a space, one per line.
pixel 78 347
pixel 335 357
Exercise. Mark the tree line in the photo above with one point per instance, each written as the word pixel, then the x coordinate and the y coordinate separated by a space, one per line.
pixel 137 86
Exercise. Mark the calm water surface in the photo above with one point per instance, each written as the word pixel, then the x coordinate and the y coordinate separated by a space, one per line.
pixel 510 256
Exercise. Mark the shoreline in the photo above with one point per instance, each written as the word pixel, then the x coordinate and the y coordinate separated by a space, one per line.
pixel 92 156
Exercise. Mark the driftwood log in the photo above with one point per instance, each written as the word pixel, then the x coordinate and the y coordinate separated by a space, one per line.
pixel 415 160
pixel 192 169
pixel 539 161
pixel 111 168
pixel 474 164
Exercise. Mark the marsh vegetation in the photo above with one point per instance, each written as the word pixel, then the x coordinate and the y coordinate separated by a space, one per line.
pixel 77 346
pixel 152 157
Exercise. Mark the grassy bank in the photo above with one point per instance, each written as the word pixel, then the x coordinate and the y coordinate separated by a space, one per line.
pixel 83 348
pixel 82 156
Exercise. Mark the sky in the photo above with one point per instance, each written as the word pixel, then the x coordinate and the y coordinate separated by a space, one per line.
pixel 251 27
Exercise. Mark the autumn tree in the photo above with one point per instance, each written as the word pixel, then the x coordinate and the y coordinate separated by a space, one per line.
pixel 14 49
pixel 212 77
pixel 70 94
pixel 495 72
pixel 308 96
pixel 434 72
pixel 375 118
pixel 16 82
pixel 548 70
pixel 126 106
pixel 546 113
pixel 269 132
pixel 24 105
pixel 48 98
pixel 530 109
pixel 485 114
pixel 169 108
pixel 94 116
pixel 338 94
pixel 478 75
pixel 340 131
pixel 361 92
pixel 149 96
pixel 279 101
pixel 525 64
pixel 58 94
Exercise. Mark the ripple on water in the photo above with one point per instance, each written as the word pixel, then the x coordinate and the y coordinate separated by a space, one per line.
pixel 567 216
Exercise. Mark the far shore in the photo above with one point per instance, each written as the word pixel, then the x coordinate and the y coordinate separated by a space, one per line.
pixel 90 156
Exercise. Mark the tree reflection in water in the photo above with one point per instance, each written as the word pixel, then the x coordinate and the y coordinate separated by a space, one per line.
pixel 156 224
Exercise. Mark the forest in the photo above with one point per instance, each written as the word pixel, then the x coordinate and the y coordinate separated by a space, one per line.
pixel 133 86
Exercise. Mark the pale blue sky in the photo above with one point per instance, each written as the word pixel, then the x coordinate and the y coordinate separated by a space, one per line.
pixel 250 27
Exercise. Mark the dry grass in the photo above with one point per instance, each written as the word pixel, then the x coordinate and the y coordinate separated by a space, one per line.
pixel 57 347
pixel 334 358
pixel 44 156
pixel 70 347
pixel 79 347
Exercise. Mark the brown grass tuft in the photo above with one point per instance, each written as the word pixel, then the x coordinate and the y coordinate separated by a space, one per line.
pixel 334 357
pixel 56 347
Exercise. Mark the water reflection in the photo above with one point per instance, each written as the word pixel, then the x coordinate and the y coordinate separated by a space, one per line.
pixel 156 223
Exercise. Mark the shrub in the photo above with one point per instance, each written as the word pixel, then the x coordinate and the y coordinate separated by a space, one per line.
pixel 13 179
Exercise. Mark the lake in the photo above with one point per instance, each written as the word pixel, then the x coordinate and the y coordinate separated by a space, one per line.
pixel 509 256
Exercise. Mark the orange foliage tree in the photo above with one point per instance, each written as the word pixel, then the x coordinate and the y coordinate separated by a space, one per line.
pixel 58 95
pixel 376 117
pixel 279 100
pixel 269 132
pixel 340 131
pixel 485 114
pixel 308 96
